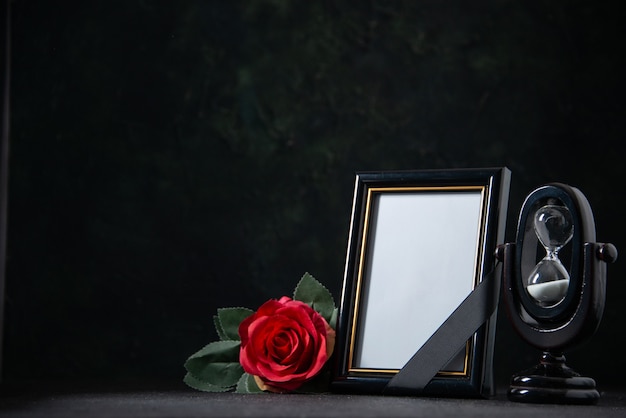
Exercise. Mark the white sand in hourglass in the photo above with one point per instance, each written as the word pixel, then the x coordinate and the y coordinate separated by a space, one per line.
pixel 552 291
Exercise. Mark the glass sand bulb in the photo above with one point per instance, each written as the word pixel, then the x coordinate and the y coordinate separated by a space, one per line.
pixel 548 281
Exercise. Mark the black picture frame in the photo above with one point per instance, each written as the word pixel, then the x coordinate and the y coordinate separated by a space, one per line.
pixel 421 243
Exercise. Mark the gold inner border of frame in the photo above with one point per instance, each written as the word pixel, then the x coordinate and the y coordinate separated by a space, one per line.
pixel 363 251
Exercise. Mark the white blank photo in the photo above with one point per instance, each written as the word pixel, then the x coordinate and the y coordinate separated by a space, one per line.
pixel 422 250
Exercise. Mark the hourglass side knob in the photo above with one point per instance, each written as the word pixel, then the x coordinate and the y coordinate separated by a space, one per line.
pixel 607 253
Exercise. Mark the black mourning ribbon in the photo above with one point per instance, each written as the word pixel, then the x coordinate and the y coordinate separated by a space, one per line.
pixel 446 341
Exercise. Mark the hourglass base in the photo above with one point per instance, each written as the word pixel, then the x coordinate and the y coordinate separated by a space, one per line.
pixel 551 381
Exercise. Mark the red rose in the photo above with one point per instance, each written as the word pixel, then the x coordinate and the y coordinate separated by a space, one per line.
pixel 284 344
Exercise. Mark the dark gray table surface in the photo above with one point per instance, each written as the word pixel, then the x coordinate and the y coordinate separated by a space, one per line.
pixel 80 399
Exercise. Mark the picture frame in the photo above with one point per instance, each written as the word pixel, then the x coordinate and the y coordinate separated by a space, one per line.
pixel 419 297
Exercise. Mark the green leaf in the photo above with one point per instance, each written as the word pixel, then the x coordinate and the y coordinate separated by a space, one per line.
pixel 313 293
pixel 218 328
pixel 219 351
pixel 222 373
pixel 333 319
pixel 198 384
pixel 216 363
pixel 227 322
pixel 247 385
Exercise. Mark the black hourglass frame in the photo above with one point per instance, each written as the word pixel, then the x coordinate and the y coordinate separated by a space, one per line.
pixel 554 328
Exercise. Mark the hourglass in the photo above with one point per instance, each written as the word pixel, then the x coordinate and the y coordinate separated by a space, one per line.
pixel 548 281
pixel 554 291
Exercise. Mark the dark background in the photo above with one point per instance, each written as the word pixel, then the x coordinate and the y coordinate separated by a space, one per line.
pixel 170 158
